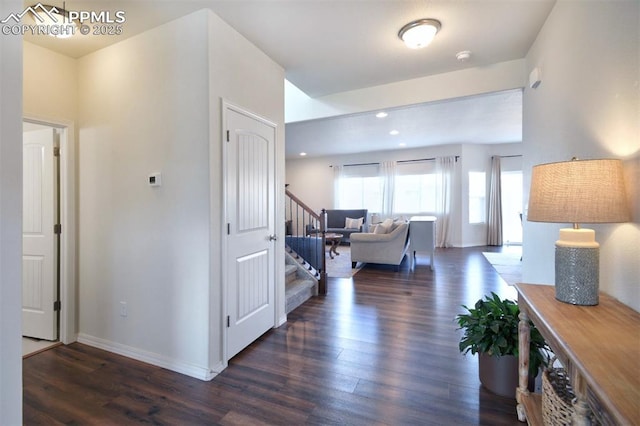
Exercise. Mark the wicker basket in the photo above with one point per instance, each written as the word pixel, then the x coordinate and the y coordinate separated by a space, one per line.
pixel 557 396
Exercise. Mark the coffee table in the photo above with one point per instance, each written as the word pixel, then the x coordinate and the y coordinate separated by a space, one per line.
pixel 334 239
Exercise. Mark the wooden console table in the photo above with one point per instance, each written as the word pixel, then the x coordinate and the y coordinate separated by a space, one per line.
pixel 599 346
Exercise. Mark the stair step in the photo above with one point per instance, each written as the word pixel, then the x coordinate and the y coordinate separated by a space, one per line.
pixel 299 291
pixel 290 273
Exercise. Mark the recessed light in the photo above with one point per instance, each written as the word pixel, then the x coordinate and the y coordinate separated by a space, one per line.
pixel 394 132
pixel 302 154
pixel 402 144
pixel 381 114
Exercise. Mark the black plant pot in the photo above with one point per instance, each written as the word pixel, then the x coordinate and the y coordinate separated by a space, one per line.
pixel 499 374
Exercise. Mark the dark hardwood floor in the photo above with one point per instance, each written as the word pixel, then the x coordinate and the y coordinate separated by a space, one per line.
pixel 380 348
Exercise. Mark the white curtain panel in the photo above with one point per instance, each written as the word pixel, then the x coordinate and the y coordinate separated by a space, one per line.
pixel 388 175
pixel 338 174
pixel 445 172
pixel 494 225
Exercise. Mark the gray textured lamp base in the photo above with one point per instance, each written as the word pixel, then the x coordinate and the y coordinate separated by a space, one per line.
pixel 577 275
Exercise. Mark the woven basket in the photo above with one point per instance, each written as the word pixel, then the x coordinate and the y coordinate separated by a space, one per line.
pixel 557 396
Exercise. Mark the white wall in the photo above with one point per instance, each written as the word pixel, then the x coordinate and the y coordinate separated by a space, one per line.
pixel 588 105
pixel 10 222
pixel 144 108
pixel 57 104
pixel 311 179
pixel 152 103
pixel 246 77
pixel 50 84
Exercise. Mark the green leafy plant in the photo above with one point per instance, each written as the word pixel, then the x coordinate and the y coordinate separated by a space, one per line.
pixel 491 327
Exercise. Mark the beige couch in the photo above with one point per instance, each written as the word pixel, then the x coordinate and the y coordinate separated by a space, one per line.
pixel 387 249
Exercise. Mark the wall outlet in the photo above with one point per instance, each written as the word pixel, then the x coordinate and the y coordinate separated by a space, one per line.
pixel 123 309
pixel 155 179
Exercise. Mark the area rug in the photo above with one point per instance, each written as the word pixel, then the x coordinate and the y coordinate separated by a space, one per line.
pixel 507 264
pixel 340 266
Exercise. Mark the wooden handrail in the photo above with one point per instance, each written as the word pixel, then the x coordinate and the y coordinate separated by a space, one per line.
pixel 301 203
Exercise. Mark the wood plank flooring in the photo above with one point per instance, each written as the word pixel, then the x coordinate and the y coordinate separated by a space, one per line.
pixel 380 349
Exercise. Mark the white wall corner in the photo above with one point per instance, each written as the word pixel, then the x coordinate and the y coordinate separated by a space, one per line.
pixel 10 221
pixel 159 360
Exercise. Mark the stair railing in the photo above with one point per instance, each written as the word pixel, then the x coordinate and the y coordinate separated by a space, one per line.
pixel 305 237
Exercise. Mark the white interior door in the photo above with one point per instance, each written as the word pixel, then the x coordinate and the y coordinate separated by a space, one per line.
pixel 250 204
pixel 39 253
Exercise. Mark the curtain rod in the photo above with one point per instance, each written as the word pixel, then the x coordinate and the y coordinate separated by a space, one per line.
pixel 399 161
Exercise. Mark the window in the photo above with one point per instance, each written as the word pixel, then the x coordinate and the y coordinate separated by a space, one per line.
pixel 415 194
pixel 477 197
pixel 361 187
pixel 360 193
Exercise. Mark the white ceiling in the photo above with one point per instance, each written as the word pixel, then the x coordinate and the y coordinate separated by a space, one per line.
pixel 330 46
pixel 487 119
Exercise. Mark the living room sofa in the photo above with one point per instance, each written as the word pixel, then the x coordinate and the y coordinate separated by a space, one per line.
pixel 336 220
pixel 387 249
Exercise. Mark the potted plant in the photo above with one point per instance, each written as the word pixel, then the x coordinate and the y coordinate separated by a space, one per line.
pixel 491 330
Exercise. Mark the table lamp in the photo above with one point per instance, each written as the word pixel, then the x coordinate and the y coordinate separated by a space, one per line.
pixel 578 191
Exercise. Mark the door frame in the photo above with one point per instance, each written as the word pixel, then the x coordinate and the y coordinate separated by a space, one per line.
pixel 278 247
pixel 67 254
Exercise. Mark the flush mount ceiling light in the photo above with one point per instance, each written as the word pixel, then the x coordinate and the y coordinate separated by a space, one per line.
pixel 381 114
pixel 463 56
pixel 419 33
pixel 54 19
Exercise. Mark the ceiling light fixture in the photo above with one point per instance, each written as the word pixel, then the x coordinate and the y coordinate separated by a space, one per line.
pixel 463 55
pixel 55 19
pixel 381 114
pixel 394 132
pixel 419 33
pixel 302 154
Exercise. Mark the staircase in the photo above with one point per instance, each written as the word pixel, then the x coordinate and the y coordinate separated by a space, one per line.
pixel 300 284
pixel 305 263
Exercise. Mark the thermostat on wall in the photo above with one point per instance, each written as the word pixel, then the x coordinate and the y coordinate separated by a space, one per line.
pixel 155 179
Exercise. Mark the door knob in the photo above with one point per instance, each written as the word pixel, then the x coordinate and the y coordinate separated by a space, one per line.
pixel 272 238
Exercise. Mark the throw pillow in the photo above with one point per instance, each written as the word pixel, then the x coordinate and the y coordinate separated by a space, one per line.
pixel 353 223
pixel 396 223
pixel 388 223
pixel 381 229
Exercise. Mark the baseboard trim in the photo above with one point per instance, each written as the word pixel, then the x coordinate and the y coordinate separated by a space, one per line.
pixel 152 358
pixel 281 321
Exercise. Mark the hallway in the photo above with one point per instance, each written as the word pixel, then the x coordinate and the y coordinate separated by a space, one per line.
pixel 380 348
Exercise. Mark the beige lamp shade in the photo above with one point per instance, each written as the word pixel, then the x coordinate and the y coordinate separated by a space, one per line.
pixel 578 191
